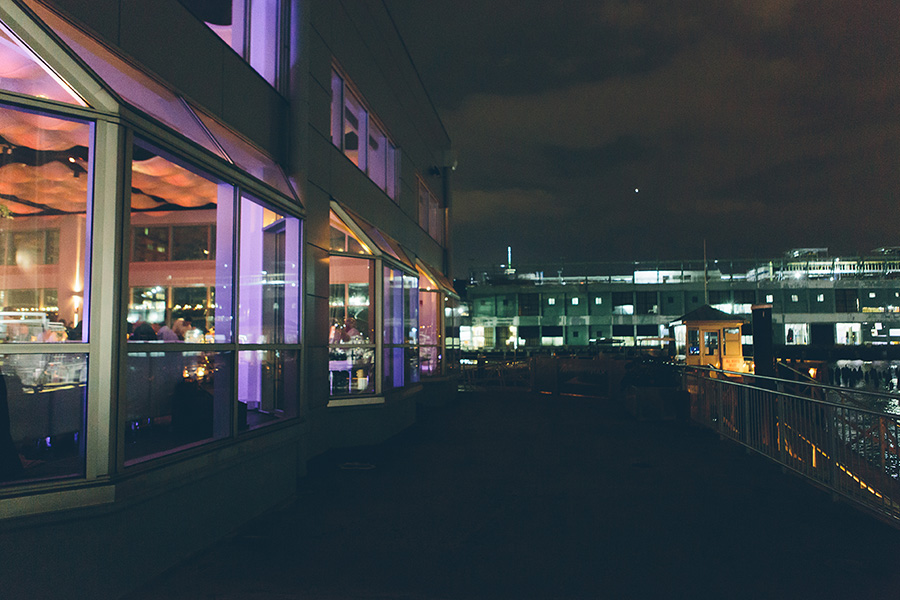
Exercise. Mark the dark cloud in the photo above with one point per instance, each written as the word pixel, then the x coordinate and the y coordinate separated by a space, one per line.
pixel 759 125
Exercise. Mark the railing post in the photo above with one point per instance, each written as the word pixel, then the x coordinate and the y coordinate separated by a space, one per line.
pixel 745 425
pixel 719 408
pixel 832 451
pixel 779 423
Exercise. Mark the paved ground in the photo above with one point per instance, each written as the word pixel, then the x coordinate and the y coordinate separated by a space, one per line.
pixel 531 496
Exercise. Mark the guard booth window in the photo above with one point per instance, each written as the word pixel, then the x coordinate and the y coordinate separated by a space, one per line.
pixel 693 341
pixel 711 341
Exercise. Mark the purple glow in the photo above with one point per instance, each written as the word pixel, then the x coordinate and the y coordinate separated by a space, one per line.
pixel 224 262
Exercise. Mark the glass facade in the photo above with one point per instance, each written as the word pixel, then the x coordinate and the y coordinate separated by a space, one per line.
pixel 211 338
pixel 176 328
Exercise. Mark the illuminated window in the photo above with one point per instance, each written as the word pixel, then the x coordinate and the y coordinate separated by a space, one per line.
pixel 430 359
pixel 186 235
pixel 551 301
pixel 45 244
pixel 357 133
pixel 401 324
pixel 598 300
pixel 795 298
pixel 574 301
pixel 351 350
pixel 693 341
pixel 820 298
pixel 711 342
pixel 251 27
pixel 871 294
pixel 770 298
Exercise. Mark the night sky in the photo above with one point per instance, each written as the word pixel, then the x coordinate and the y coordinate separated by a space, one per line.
pixel 758 125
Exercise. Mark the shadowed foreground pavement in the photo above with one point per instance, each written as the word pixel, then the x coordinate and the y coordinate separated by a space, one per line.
pixel 533 496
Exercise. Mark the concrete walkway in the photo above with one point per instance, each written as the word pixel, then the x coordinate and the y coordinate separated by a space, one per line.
pixel 535 496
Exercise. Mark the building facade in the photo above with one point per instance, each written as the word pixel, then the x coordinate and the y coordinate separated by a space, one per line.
pixel 223 250
pixel 816 300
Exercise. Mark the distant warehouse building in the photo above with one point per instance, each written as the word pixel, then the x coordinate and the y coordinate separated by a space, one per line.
pixel 817 300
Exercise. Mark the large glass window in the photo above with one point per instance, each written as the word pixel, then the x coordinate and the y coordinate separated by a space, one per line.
pixel 187 249
pixel 44 195
pixel 176 397
pixel 430 332
pixel 182 245
pixel 42 411
pixel 176 400
pixel 270 275
pixel 351 362
pixel 401 326
pixel 268 313
pixel 45 167
pixel 361 138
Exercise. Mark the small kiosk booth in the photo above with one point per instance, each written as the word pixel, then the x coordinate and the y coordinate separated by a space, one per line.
pixel 711 338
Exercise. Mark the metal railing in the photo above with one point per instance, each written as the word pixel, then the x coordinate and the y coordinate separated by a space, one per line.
pixel 834 436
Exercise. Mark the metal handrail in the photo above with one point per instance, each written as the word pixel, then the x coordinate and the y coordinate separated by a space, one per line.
pixel 823 386
pixel 852 451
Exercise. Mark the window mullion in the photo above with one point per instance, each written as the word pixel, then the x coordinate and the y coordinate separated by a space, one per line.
pixel 108 287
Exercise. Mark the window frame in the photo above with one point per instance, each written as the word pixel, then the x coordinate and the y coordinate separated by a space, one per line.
pixel 88 346
pixel 243 185
pixel 341 88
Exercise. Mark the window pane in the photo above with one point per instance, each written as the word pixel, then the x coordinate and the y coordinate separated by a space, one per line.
pixel 393 306
pixel 352 284
pixel 42 414
pixel 423 206
pixel 354 130
pixel 337 103
pixel 225 18
pixel 246 156
pixel 21 71
pixel 377 158
pixel 429 325
pixel 393 170
pixel 412 364
pixel 351 353
pixel 435 219
pixel 270 275
pixel 175 400
pixel 263 43
pixel 267 387
pixel 351 370
pixel 410 309
pixel 344 240
pixel 197 211
pixel 44 174
pixel 393 366
pixel 429 361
